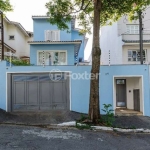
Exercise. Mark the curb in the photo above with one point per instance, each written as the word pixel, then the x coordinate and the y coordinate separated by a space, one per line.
pixel 67 124
pixel 73 124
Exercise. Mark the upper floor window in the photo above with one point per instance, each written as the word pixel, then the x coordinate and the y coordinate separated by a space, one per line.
pixel 134 55
pixel 52 58
pixel 52 35
pixel 133 29
pixel 11 37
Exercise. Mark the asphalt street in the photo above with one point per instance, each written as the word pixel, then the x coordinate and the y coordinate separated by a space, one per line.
pixel 34 138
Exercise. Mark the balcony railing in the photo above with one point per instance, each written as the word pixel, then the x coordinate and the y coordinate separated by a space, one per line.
pixel 10 54
pixel 135 37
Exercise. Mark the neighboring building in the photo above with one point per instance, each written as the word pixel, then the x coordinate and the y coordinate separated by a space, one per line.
pixel 120 42
pixel 51 46
pixel 15 39
pixel 90 59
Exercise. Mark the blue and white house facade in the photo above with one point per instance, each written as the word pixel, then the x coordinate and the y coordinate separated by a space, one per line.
pixel 55 47
pixel 57 80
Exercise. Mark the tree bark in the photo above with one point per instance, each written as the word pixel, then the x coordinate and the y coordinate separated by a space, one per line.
pixel 94 108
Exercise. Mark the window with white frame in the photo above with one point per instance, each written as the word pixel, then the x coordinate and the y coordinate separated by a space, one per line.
pixel 52 58
pixel 134 55
pixel 52 35
pixel 133 29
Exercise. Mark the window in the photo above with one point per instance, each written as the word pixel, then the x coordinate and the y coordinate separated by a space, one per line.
pixel 11 37
pixel 134 55
pixel 52 58
pixel 120 81
pixel 133 29
pixel 52 35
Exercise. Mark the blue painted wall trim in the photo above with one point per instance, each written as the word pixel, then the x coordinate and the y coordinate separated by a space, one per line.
pixel 76 36
pixel 3 84
pixel 40 25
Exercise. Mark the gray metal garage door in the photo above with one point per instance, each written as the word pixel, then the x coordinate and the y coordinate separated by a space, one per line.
pixel 39 92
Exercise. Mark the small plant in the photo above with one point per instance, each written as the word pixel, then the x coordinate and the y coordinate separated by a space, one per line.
pixel 108 119
pixel 82 126
pixel 83 118
pixel 18 62
pixel 132 127
pixel 83 122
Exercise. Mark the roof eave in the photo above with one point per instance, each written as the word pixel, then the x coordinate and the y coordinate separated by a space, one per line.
pixel 18 24
pixel 47 17
pixel 10 48
pixel 40 17
pixel 56 42
pixel 21 27
pixel 136 43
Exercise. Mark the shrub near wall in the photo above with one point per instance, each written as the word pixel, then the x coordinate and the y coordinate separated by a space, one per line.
pixel 18 62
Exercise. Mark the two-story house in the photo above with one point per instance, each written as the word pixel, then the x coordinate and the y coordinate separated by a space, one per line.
pixel 56 81
pixel 51 46
pixel 16 39
pixel 120 42
pixel 51 50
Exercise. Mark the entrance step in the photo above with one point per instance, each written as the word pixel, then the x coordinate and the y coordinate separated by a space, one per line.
pixel 127 112
pixel 119 108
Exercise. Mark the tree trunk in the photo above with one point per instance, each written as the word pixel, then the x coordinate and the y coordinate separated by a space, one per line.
pixel 94 108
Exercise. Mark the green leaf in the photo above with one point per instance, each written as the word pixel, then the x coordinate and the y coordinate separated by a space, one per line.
pixel 5 6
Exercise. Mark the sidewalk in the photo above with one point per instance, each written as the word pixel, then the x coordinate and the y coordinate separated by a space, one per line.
pixel 57 117
pixel 38 118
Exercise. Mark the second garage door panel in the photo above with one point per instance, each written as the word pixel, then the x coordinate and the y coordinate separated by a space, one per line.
pixel 32 92
pixel 46 92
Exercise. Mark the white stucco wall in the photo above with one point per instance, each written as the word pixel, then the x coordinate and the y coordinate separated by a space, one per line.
pixel 141 95
pixel 124 21
pixel 110 40
pixel 5 32
pixel 134 83
pixel 20 43
pixel 135 47
pixel 146 19
pixel 12 30
pixel 90 59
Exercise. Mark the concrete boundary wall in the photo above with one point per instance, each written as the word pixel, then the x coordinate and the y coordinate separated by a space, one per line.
pixel 80 88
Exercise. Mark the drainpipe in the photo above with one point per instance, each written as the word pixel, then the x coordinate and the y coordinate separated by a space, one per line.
pixel 2 36
pixel 141 36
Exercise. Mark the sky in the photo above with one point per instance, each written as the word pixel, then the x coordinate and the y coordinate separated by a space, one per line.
pixel 25 9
